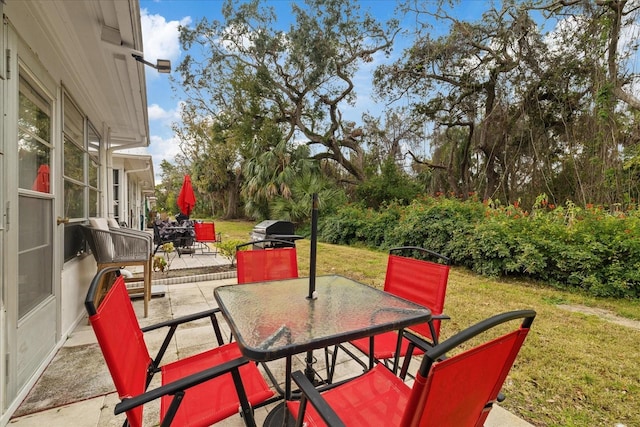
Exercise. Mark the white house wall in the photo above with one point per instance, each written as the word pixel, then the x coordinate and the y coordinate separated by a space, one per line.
pixel 76 276
pixel 136 180
pixel 62 45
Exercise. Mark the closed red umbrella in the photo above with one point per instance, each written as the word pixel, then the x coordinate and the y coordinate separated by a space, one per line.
pixel 186 198
pixel 41 183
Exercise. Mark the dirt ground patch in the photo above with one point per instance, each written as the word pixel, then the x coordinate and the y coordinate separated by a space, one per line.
pixel 603 314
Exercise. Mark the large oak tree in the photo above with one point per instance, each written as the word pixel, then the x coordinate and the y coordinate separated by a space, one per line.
pixel 522 103
pixel 303 74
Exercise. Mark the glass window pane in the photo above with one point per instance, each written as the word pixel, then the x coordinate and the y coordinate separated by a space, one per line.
pixel 73 161
pixel 34 133
pixel 35 112
pixel 94 153
pixel 73 122
pixel 93 172
pixel 34 158
pixel 116 194
pixel 93 140
pixel 34 258
pixel 73 200
pixel 74 242
pixel 93 203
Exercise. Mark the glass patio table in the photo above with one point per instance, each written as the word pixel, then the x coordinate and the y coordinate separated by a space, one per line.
pixel 275 319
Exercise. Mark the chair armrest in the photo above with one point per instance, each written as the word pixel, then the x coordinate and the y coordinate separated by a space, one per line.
pixel 181 320
pixel 417 341
pixel 432 328
pixel 182 384
pixel 173 325
pixel 414 341
pixel 440 317
pixel 312 395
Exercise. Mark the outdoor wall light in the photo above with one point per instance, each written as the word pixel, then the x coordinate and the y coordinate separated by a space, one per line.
pixel 112 36
pixel 162 65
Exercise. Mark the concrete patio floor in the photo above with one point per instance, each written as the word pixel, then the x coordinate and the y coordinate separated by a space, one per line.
pixel 184 296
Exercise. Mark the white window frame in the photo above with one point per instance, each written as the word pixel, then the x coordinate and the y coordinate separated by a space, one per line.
pixel 88 142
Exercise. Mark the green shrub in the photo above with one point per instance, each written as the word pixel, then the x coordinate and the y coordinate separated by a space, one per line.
pixel 436 224
pixel 392 185
pixel 344 226
pixel 377 225
pixel 228 249
pixel 591 249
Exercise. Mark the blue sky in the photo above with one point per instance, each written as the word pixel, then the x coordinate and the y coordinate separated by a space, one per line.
pixel 160 21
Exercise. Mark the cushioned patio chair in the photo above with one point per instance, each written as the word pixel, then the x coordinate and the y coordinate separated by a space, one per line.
pixel 198 390
pixel 458 391
pixel 416 279
pixel 116 247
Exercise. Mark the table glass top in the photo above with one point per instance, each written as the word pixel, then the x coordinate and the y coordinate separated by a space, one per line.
pixel 274 319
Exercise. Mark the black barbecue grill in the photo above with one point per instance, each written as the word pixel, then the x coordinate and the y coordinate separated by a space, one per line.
pixel 274 229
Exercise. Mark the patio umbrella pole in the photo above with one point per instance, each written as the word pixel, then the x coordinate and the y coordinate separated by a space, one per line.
pixel 312 278
pixel 314 244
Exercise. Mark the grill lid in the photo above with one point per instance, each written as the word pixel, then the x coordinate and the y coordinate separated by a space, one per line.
pixel 274 226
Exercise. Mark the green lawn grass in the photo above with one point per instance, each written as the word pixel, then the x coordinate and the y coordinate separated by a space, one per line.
pixel 574 369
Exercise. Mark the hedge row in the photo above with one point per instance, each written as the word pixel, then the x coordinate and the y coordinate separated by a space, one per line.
pixel 595 249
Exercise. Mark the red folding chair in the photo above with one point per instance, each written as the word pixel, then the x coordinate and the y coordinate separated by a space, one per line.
pixel 458 391
pixel 269 263
pixel 196 391
pixel 205 234
pixel 423 282
pixel 269 259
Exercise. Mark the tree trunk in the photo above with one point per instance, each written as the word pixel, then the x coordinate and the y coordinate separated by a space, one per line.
pixel 233 192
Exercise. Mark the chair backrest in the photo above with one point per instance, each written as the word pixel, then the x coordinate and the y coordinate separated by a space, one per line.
pixel 119 245
pixel 120 338
pixel 205 231
pixel 120 241
pixel 161 234
pixel 460 390
pixel 100 242
pixel 259 265
pixel 156 232
pixel 420 281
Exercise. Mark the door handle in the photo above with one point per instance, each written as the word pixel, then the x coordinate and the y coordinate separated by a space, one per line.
pixel 6 216
pixel 64 220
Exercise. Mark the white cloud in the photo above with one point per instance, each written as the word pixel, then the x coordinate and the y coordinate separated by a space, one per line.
pixel 160 37
pixel 156 112
pixel 161 41
pixel 163 149
pixel 160 148
pixel 163 144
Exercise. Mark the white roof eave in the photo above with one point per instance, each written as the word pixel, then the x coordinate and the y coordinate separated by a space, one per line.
pixel 100 73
